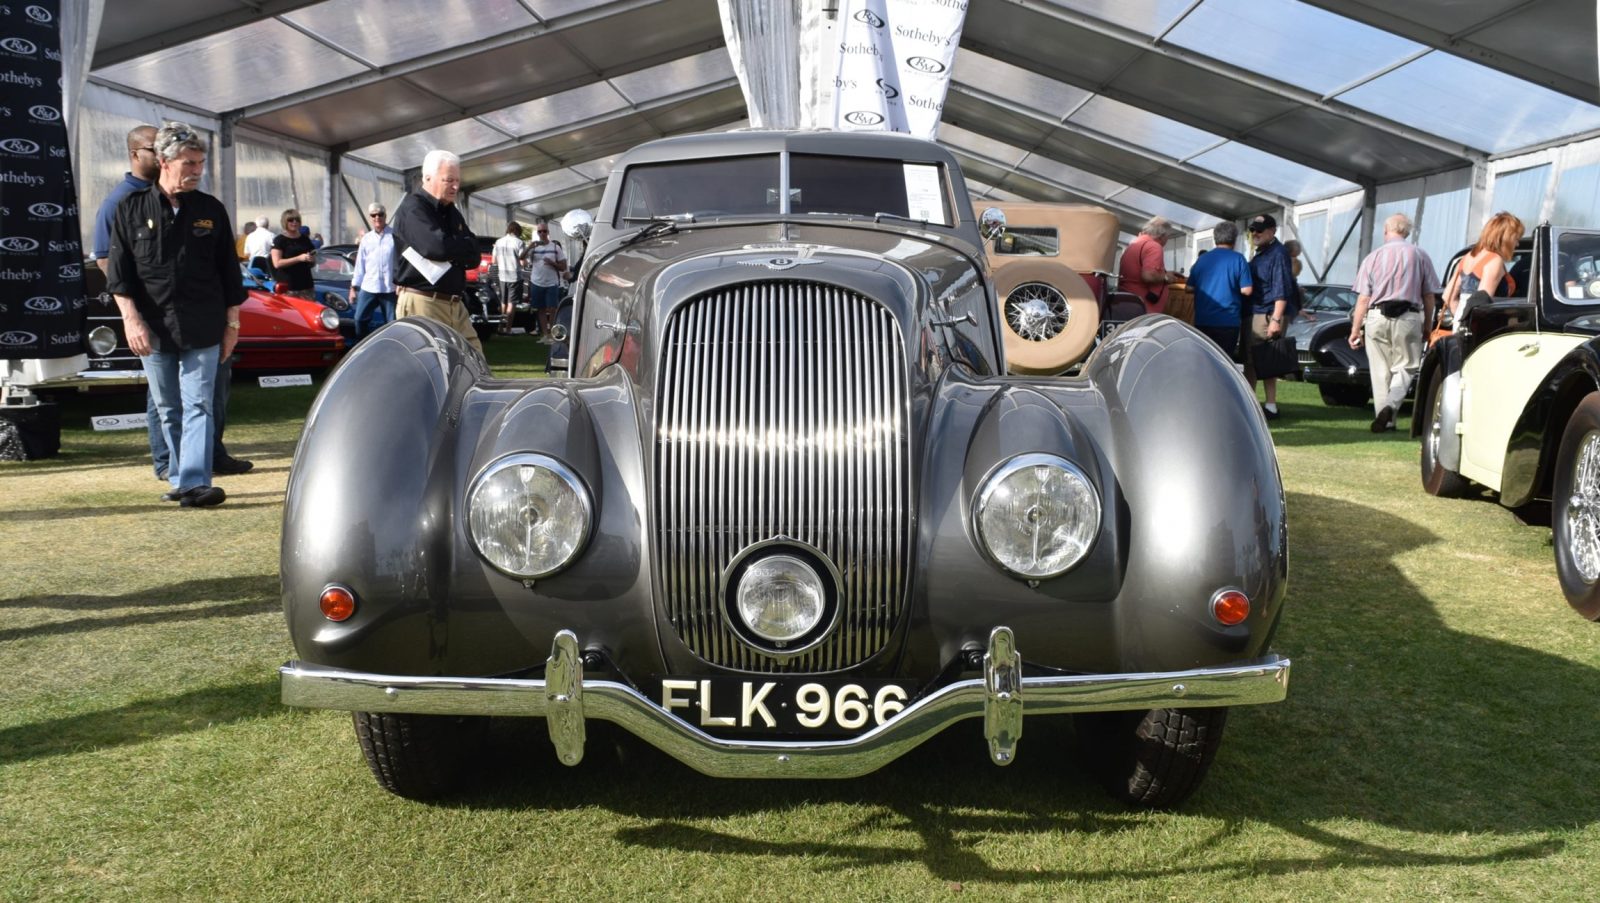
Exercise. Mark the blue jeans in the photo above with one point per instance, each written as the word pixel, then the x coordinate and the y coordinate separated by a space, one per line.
pixel 182 383
pixel 219 421
pixel 373 309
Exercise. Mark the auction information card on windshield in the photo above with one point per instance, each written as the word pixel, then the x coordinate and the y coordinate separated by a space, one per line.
pixel 924 194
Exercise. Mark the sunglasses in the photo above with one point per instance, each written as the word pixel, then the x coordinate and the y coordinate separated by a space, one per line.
pixel 292 219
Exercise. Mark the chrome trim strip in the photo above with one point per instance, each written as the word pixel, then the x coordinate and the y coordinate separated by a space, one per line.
pixel 1255 682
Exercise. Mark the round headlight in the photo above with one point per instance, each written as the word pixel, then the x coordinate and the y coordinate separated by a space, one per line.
pixel 330 319
pixel 102 340
pixel 335 301
pixel 1037 515
pixel 529 515
pixel 781 598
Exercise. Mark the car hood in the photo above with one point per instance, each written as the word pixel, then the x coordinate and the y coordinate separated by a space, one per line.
pixel 1304 331
pixel 264 313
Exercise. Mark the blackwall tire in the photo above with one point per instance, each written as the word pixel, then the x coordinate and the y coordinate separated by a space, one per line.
pixel 1153 759
pixel 419 757
pixel 1338 396
pixel 1575 519
pixel 1056 285
pixel 1436 478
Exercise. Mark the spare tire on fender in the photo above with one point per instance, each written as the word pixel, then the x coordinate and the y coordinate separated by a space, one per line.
pixel 1049 316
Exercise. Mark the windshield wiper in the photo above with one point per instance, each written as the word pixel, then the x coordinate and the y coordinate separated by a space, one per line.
pixel 656 225
pixel 878 217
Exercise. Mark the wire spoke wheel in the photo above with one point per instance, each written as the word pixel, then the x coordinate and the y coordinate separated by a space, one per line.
pixel 1583 510
pixel 1037 312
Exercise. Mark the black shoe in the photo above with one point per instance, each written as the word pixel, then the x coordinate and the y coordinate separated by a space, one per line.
pixel 202 497
pixel 172 495
pixel 230 466
pixel 1384 420
pixel 1269 413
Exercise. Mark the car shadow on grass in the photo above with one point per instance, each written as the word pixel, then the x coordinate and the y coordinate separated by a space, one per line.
pixel 141 721
pixel 1395 721
pixel 250 595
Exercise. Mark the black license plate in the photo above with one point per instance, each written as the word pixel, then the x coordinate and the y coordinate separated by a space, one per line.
pixel 1107 327
pixel 781 704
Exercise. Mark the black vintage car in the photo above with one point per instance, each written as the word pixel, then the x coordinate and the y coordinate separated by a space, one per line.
pixel 788 516
pixel 1510 400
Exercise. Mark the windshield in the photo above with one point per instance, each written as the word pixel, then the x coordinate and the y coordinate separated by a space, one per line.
pixel 1331 298
pixel 746 186
pixel 1029 241
pixel 1577 267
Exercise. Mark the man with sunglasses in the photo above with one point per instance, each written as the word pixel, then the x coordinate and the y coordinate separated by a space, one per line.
pixel 175 277
pixel 544 279
pixel 372 284
pixel 143 168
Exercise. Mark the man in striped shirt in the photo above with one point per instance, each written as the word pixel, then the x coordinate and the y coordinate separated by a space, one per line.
pixel 1396 290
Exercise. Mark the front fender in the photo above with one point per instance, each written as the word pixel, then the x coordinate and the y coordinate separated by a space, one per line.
pixel 1441 363
pixel 1191 497
pixel 1531 448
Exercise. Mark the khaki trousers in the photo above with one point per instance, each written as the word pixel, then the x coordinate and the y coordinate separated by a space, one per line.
pixel 451 313
pixel 1394 354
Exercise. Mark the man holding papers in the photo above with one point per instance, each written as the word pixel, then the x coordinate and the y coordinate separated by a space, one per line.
pixel 433 248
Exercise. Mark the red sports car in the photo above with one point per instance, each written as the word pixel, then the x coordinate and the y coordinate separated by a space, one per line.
pixel 277 332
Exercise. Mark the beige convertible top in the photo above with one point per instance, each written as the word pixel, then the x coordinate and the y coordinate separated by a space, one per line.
pixel 1088 234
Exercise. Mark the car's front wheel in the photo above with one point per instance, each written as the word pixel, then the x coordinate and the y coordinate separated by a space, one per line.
pixel 1438 479
pixel 419 757
pixel 1153 759
pixel 1576 509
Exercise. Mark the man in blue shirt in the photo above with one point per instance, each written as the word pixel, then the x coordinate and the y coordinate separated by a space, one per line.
pixel 1221 282
pixel 1273 274
pixel 143 168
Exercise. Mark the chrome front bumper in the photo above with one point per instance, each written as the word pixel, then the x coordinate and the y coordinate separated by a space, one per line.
pixel 568 702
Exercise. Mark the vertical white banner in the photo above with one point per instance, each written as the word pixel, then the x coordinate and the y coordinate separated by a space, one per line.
pixel 894 62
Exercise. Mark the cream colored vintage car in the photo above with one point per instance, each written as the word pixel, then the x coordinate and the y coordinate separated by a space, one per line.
pixel 1511 401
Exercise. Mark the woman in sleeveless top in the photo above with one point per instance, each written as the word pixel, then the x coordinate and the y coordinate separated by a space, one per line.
pixel 1484 267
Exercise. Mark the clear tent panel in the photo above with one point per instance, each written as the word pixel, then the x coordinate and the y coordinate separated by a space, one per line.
pixel 1292 42
pixel 539 186
pixel 460 137
pixel 1018 85
pixel 1471 103
pixel 1578 191
pixel 557 110
pixel 1386 209
pixel 1154 131
pixel 1275 174
pixel 311 195
pixel 675 77
pixel 235 68
pixel 1521 193
pixel 998 151
pixel 102 163
pixel 263 184
pixel 1188 217
pixel 1149 17
pixel 1313 232
pixel 1343 243
pixel 368 30
pixel 1071 177
pixel 1442 229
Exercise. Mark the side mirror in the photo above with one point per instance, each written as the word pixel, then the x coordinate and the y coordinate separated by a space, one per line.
pixel 992 223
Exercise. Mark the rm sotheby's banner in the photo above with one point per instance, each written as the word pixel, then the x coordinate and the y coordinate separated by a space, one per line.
pixel 894 63
pixel 42 297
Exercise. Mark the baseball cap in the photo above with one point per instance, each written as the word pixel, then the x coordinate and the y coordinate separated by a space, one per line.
pixel 1262 222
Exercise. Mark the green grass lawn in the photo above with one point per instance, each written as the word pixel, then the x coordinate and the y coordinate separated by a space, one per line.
pixel 1439 741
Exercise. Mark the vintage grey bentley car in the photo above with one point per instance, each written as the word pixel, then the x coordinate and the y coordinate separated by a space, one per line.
pixel 788 516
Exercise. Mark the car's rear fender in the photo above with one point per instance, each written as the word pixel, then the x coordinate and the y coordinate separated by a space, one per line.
pixel 1442 362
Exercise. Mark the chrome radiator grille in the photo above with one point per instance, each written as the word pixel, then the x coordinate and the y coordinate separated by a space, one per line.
pixel 781 411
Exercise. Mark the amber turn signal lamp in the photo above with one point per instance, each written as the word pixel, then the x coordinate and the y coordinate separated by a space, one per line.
pixel 338 603
pixel 1229 607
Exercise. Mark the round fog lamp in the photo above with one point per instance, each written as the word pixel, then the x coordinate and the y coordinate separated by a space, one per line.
pixel 102 340
pixel 330 319
pixel 529 516
pixel 781 598
pixel 1037 515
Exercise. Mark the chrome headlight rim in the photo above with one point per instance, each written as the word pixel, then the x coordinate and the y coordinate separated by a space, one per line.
pixel 820 563
pixel 102 341
pixel 567 475
pixel 329 319
pixel 997 477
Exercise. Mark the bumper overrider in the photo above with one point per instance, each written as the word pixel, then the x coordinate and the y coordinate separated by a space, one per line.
pixel 567 702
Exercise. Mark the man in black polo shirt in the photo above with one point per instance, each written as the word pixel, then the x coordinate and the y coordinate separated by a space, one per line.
pixel 176 280
pixel 429 225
